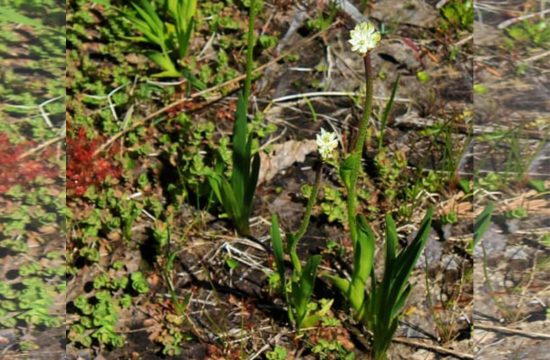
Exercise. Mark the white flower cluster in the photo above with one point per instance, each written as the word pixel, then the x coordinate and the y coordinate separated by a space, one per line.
pixel 327 143
pixel 364 37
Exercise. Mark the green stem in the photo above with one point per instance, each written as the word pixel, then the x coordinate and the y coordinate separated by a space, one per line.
pixel 250 51
pixel 294 238
pixel 310 203
pixel 358 150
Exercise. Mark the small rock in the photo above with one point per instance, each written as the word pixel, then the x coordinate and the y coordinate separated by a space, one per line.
pixel 432 253
pixel 518 257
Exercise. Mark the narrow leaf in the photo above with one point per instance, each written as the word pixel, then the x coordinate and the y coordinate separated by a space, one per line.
pixel 387 110
pixel 306 286
pixel 278 252
pixel 408 257
pixel 482 222
pixel 241 162
pixel 363 258
pixel 391 240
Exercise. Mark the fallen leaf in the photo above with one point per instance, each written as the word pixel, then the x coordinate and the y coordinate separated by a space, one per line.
pixel 282 156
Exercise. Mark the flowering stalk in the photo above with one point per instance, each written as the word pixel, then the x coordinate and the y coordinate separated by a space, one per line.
pixel 302 279
pixel 358 150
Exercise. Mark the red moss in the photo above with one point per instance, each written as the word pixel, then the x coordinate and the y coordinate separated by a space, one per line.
pixel 83 168
pixel 17 171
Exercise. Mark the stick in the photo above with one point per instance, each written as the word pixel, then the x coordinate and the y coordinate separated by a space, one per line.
pixel 510 331
pixel 435 348
pixel 330 94
pixel 41 146
pixel 509 22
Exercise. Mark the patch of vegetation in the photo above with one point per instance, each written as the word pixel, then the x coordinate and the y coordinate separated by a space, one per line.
pixel 529 34
pixel 458 14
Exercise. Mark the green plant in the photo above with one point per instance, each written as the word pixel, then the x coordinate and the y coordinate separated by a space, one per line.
pixel 390 166
pixel 545 240
pixel 302 279
pixel 172 37
pixel 236 194
pixel 331 349
pixel 380 308
pixel 278 353
pixel 97 315
pixel 517 213
pixel 526 34
pixel 97 321
pixel 323 21
pixel 458 14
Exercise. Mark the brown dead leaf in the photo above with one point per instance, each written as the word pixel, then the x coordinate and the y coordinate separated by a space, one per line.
pixel 282 156
pixel 48 229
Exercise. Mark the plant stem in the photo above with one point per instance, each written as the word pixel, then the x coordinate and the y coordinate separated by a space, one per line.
pixel 250 51
pixel 358 150
pixel 310 203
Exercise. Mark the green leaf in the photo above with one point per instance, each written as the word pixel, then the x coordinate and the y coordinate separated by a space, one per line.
pixel 195 82
pixel 408 257
pixel 291 249
pixel 465 186
pixel 231 263
pixel 241 157
pixel 278 252
pixel 391 240
pixel 341 284
pixel 10 15
pixel 346 169
pixel 401 301
pixel 387 110
pixel 538 184
pixel 229 201
pixel 302 291
pixel 252 180
pixel 362 265
pixel 482 223
pixel 165 63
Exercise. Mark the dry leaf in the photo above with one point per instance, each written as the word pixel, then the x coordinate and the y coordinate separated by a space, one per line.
pixel 282 156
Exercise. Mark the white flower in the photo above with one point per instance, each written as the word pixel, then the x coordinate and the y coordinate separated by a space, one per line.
pixel 364 38
pixel 327 142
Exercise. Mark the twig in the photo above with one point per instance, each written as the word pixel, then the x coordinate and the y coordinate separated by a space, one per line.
pixel 435 348
pixel 537 57
pixel 201 93
pixel 510 331
pixel 330 93
pixel 109 101
pixel 40 108
pixel 270 342
pixel 41 146
pixel 509 22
